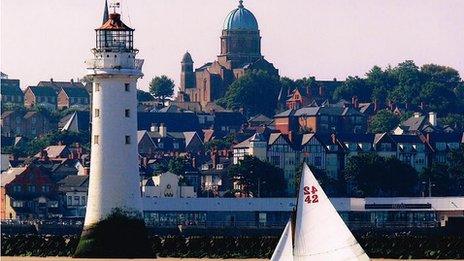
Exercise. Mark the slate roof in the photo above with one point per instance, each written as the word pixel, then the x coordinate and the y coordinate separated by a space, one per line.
pixel 10 87
pixel 77 182
pixel 307 111
pixel 42 91
pixel 54 151
pixel 413 123
pixel 57 86
pixel 175 122
pixel 260 118
pixel 284 114
pixel 76 92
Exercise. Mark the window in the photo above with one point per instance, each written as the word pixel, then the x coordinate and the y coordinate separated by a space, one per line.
pixel 96 139
pixel 127 113
pixel 17 188
pixel 77 200
pixel 97 113
pixel 97 87
pixel 45 188
pixel 69 200
pixel 18 204
pixel 31 188
pixel 128 141
pixel 175 145
pixel 83 200
pixel 126 87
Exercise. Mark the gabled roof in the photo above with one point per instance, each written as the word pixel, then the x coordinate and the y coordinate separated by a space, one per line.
pixel 189 136
pixel 42 91
pixel 76 92
pixel 260 118
pixel 170 108
pixel 55 151
pixel 413 123
pixel 307 137
pixel 9 175
pixel 79 121
pixel 10 87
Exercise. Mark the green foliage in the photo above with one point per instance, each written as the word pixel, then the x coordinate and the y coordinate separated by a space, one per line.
pixel 440 88
pixel 258 178
pixel 161 86
pixel 371 175
pixel 177 166
pixel 353 86
pixel 143 96
pixel 383 121
pixel 65 137
pixel 447 179
pixel 454 120
pixel 332 187
pixel 256 92
pixel 218 144
pixel 287 85
pixel 120 235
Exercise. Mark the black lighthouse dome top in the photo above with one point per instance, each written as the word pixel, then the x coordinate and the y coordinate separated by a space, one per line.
pixel 114 35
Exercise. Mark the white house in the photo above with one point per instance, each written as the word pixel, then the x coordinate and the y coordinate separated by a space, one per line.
pixel 166 185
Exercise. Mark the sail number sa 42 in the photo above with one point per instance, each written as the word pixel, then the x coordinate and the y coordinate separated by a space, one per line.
pixel 310 194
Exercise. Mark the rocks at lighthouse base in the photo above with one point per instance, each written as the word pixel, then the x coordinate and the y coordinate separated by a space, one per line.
pixel 120 235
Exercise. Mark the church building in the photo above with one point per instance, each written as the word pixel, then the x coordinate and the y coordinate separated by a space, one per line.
pixel 240 52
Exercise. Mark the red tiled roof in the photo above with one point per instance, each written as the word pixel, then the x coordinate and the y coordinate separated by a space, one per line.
pixel 115 23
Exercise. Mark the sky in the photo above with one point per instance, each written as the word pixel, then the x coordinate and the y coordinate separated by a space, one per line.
pixel 322 38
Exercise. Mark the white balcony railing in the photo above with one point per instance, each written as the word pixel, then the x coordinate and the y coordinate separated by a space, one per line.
pixel 114 63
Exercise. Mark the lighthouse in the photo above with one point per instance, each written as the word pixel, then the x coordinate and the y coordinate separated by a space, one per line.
pixel 114 173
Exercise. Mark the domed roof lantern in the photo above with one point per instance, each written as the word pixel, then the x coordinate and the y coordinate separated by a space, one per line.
pixel 114 35
pixel 240 19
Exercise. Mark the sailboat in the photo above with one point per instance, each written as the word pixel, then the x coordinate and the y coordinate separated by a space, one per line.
pixel 318 232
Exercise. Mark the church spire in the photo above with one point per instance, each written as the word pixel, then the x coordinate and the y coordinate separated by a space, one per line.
pixel 105 12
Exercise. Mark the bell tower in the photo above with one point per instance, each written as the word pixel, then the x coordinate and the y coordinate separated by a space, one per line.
pixel 114 172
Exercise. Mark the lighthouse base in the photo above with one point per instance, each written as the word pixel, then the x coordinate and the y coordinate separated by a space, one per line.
pixel 117 236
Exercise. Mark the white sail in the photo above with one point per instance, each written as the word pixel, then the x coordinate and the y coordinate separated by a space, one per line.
pixel 284 249
pixel 320 233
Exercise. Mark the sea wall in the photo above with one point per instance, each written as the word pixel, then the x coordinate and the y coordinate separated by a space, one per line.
pixel 377 245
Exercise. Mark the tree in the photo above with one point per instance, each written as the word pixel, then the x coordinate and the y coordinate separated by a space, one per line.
pixel 331 187
pixel 454 120
pixel 257 178
pixel 256 92
pixel 383 121
pixel 381 82
pixel 143 96
pixel 161 87
pixel 288 85
pixel 353 86
pixel 177 166
pixel 437 177
pixel 439 98
pixel 408 78
pixel 370 175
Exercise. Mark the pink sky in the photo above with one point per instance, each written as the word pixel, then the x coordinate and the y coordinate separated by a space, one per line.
pixel 323 38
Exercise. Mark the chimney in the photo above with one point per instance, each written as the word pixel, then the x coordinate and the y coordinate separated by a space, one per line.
pixel 334 138
pixel 214 158
pixel 153 127
pixel 51 80
pixel 86 171
pixel 194 162
pixel 354 102
pixel 321 91
pixel 433 118
pixel 422 105
pixel 162 130
pixel 417 114
pixel 290 136
pixel 335 79
pixel 145 161
pixel 72 81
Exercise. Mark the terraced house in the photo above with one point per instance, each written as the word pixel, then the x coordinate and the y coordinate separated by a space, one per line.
pixel 11 92
pixel 72 97
pixel 40 96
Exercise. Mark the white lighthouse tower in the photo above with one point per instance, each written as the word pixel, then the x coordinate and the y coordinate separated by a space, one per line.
pixel 114 172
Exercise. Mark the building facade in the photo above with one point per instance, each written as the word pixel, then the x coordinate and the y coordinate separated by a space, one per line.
pixel 240 52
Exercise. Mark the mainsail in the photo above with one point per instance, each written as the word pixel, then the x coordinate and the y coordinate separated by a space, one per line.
pixel 284 249
pixel 320 233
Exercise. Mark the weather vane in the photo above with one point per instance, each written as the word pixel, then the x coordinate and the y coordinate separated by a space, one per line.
pixel 114 6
